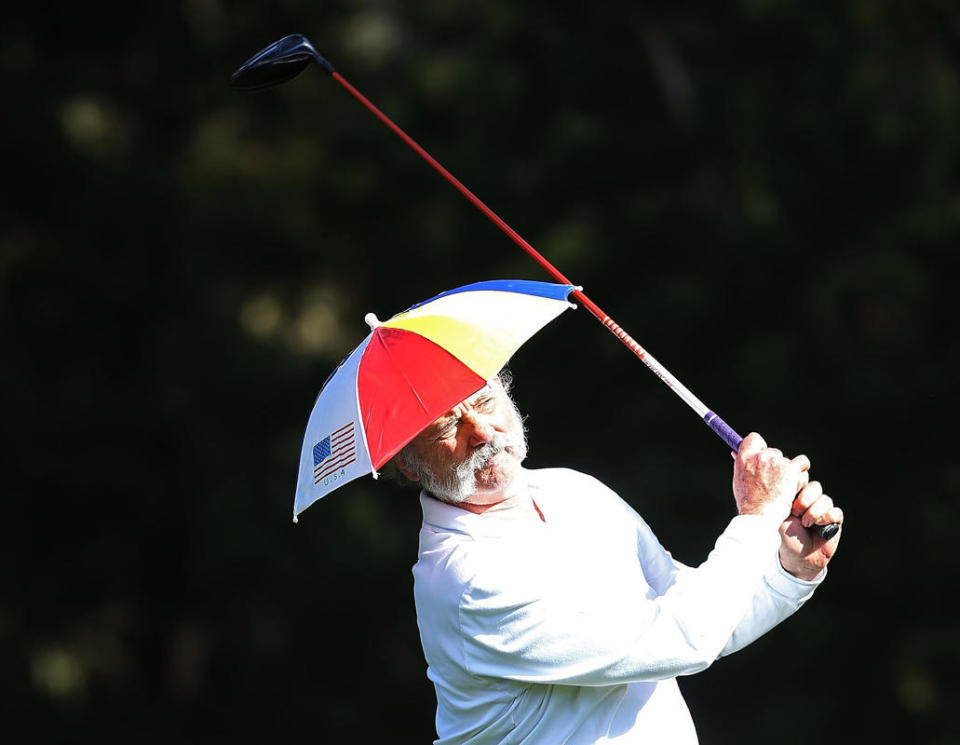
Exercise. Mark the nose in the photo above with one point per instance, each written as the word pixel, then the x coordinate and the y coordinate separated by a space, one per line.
pixel 479 430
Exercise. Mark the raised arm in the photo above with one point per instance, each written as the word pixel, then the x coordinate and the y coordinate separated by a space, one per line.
pixel 676 624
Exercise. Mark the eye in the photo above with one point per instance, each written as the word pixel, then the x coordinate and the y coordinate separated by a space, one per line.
pixel 486 405
pixel 446 432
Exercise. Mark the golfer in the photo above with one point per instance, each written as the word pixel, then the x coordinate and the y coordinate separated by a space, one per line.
pixel 549 612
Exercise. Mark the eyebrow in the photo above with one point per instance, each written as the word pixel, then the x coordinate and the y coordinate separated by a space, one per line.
pixel 441 423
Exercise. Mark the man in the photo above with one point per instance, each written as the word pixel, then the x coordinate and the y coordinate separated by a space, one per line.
pixel 548 611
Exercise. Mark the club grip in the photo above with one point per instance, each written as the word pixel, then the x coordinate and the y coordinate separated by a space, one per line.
pixel 726 433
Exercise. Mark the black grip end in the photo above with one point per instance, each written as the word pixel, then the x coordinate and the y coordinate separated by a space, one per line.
pixel 827 531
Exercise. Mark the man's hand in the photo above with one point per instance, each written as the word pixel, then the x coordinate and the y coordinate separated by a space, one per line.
pixel 803 553
pixel 764 481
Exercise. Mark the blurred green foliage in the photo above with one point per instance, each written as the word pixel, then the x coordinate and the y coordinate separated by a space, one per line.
pixel 764 193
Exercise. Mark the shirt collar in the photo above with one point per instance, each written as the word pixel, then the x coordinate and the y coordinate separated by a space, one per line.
pixel 450 517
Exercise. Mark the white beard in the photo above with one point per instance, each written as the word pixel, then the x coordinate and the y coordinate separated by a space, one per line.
pixel 460 483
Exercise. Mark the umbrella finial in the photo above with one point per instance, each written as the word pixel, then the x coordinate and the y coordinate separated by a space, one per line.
pixel 372 321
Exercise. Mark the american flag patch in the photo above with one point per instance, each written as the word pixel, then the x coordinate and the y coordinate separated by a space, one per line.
pixel 334 452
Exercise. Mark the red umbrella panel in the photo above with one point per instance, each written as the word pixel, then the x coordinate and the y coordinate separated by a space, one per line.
pixel 412 369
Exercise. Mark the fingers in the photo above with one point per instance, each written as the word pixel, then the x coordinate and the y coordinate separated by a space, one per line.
pixel 752 443
pixel 820 512
pixel 768 459
pixel 755 448
pixel 772 455
pixel 813 507
pixel 805 499
pixel 802 463
pixel 763 477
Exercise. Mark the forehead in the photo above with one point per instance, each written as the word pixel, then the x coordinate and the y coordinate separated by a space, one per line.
pixel 493 388
pixel 489 389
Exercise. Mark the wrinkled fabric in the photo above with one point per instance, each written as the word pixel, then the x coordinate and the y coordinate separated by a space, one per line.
pixel 573 629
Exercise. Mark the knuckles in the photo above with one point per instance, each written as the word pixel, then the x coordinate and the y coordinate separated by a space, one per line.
pixel 811 493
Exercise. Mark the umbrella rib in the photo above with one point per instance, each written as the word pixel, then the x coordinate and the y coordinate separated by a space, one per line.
pixel 406 379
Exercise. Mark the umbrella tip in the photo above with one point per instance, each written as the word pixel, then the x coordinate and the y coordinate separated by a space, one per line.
pixel 372 321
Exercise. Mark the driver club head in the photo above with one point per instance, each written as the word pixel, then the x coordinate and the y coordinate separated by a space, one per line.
pixel 277 63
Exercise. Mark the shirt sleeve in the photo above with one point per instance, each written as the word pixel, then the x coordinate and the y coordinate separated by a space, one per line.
pixel 778 596
pixel 516 628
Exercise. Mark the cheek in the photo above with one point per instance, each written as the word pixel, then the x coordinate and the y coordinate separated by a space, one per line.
pixel 443 453
pixel 507 422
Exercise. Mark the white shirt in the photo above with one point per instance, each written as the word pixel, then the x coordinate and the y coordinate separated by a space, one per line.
pixel 572 629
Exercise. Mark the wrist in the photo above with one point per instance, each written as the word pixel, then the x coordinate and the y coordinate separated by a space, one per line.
pixel 768 507
pixel 798 568
pixel 771 513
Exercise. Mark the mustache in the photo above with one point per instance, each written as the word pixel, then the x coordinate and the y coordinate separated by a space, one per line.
pixel 456 482
pixel 480 457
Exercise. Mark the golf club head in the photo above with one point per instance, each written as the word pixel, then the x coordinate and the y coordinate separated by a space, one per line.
pixel 277 63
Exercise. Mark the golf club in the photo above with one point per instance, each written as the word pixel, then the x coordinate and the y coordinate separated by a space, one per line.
pixel 291 55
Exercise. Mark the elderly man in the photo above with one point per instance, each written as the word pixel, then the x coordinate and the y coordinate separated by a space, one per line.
pixel 549 612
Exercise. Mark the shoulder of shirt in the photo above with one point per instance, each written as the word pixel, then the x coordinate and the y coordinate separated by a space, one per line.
pixel 577 490
pixel 566 481
pixel 540 477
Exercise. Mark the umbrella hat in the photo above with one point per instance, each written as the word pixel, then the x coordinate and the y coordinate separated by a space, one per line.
pixel 412 369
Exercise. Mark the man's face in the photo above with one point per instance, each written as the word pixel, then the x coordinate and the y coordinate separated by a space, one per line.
pixel 473 452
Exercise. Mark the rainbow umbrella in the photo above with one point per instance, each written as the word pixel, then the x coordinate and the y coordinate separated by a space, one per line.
pixel 410 370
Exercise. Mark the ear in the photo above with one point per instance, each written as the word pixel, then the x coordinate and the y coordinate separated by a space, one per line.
pixel 407 473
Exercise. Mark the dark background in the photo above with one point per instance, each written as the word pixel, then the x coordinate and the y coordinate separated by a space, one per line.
pixel 765 193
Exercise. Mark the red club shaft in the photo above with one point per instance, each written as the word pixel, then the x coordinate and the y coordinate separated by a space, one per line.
pixel 727 434
pixel 721 428
pixel 586 302
pixel 475 200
